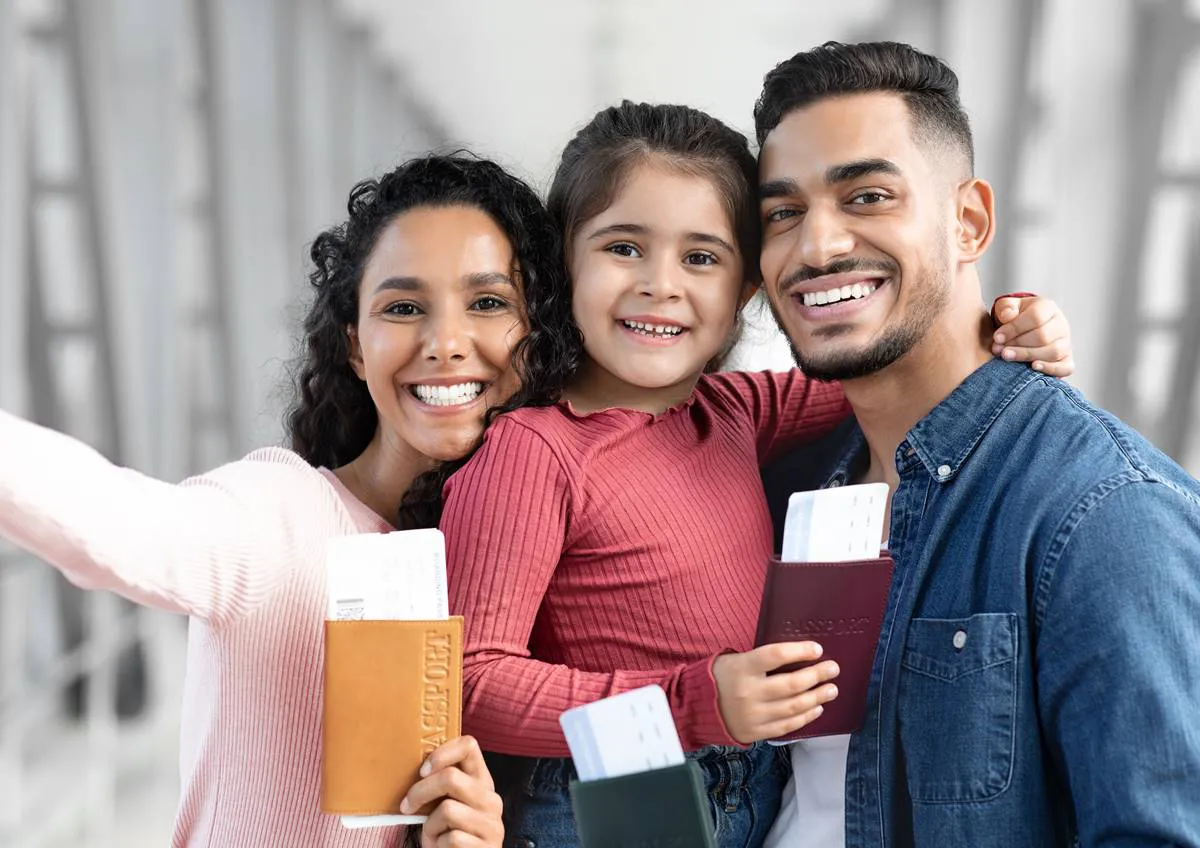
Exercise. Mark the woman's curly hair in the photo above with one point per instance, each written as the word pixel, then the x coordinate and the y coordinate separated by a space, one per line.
pixel 332 418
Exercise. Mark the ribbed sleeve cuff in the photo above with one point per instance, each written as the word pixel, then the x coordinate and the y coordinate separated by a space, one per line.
pixel 700 721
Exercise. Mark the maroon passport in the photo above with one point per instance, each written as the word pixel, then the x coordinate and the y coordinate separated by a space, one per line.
pixel 840 605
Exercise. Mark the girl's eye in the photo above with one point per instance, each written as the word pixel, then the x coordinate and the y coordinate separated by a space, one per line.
pixel 489 303
pixel 624 248
pixel 404 308
pixel 700 258
pixel 780 215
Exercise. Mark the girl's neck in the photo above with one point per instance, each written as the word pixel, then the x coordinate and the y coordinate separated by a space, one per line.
pixel 596 389
pixel 382 474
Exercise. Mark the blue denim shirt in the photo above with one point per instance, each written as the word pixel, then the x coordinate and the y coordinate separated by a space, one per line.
pixel 1037 680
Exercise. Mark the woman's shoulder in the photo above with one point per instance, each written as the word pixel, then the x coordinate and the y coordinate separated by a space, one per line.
pixel 282 476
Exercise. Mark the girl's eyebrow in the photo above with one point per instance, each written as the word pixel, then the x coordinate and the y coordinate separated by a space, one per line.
pixel 709 238
pixel 623 229
pixel 641 230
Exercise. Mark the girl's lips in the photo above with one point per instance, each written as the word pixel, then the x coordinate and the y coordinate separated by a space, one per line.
pixel 651 338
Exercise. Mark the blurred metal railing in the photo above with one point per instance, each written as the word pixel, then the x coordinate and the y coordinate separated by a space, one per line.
pixel 75 767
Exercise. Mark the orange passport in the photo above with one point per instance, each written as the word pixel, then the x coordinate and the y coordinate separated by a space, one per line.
pixel 393 693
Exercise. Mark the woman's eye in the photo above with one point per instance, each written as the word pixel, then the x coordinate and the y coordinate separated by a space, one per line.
pixel 489 304
pixel 624 248
pixel 700 258
pixel 404 308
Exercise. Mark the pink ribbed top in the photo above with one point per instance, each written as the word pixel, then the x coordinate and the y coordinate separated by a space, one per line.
pixel 595 554
pixel 242 551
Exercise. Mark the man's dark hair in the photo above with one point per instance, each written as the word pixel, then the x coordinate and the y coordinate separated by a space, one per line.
pixel 928 86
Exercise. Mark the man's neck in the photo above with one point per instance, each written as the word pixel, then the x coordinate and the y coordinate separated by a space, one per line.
pixel 890 403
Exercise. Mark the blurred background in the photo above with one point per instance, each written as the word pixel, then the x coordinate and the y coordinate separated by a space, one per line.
pixel 164 164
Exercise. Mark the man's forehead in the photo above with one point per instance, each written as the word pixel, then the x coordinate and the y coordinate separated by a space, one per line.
pixel 837 130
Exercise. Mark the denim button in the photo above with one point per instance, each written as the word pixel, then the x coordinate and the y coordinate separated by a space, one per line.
pixel 523 842
pixel 833 484
pixel 960 639
pixel 944 470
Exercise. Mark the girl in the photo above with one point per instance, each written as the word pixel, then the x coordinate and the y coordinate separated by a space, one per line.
pixel 618 521
pixel 418 304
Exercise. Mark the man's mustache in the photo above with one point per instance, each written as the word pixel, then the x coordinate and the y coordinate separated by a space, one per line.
pixel 840 266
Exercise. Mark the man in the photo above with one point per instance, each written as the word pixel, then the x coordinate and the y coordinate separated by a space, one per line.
pixel 1037 680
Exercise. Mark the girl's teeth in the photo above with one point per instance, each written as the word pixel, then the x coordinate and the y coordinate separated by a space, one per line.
pixel 652 329
pixel 455 395
pixel 856 291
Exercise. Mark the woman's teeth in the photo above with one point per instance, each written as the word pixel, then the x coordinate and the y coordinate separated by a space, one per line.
pixel 455 395
pixel 824 298
pixel 652 329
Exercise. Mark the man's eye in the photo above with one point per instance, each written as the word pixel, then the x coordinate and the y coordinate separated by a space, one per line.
pixel 780 215
pixel 869 198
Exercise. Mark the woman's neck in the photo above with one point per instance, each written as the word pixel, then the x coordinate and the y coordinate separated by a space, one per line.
pixel 595 389
pixel 382 474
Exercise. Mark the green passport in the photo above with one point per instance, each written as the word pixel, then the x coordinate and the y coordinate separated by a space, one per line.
pixel 661 808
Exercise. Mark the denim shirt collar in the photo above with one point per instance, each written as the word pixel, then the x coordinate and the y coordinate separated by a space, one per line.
pixel 945 438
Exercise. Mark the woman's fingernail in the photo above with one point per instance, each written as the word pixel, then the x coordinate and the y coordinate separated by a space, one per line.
pixel 426 767
pixel 1037 366
pixel 405 807
pixel 999 338
pixel 1009 353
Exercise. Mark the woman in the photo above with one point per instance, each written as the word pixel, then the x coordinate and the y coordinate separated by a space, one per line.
pixel 419 303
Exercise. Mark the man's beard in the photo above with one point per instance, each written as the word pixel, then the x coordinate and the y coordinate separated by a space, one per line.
pixel 891 345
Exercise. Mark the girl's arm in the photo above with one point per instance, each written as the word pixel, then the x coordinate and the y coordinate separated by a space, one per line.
pixel 214 546
pixel 788 409
pixel 506 520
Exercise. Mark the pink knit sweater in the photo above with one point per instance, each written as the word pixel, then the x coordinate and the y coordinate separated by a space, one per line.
pixel 242 551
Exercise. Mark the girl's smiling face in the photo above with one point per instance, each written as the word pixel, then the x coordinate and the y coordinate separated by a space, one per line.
pixel 657 281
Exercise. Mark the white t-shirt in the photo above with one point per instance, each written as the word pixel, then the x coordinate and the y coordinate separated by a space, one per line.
pixel 813 813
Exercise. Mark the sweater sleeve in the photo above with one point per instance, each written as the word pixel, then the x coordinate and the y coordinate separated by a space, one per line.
pixel 506 520
pixel 214 546
pixel 785 409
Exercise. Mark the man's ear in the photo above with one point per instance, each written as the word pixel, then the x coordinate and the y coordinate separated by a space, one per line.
pixel 356 357
pixel 976 219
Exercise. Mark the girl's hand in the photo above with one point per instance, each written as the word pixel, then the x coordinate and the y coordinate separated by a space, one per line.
pixel 1033 329
pixel 757 705
pixel 467 814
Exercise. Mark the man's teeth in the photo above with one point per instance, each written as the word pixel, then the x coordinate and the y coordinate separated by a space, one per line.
pixel 823 298
pixel 448 395
pixel 652 329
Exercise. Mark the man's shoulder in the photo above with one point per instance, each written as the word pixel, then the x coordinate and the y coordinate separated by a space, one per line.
pixel 1067 437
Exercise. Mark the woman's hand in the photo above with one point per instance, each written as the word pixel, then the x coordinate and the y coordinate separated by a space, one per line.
pixel 457 780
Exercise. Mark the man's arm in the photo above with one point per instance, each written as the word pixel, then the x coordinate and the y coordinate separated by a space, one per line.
pixel 1118 672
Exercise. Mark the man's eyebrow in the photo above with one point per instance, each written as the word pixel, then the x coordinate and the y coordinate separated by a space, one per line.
pixel 777 188
pixel 861 168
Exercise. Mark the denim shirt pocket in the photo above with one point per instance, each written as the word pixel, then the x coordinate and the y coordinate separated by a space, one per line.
pixel 958 706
